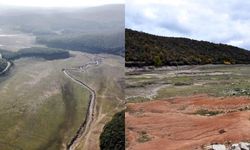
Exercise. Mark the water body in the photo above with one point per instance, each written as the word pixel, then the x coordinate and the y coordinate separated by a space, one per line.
pixel 15 41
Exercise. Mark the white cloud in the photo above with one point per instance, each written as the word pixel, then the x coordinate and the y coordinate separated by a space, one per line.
pixel 224 21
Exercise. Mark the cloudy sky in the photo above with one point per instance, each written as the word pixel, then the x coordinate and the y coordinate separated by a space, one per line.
pixel 58 3
pixel 220 21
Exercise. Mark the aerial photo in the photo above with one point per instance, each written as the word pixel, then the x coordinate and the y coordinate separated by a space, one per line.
pixel 61 75
pixel 187 76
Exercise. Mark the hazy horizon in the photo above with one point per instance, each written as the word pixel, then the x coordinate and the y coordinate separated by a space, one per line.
pixel 57 3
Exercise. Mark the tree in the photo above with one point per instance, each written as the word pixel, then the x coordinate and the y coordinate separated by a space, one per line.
pixel 113 135
pixel 157 61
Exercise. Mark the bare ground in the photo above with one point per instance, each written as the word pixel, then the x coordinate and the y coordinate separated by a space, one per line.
pixel 175 123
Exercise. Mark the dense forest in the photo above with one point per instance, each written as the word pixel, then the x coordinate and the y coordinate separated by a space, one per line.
pixel 41 52
pixel 144 49
pixel 92 43
pixel 113 135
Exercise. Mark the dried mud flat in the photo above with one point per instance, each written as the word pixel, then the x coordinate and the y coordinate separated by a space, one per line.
pixel 187 122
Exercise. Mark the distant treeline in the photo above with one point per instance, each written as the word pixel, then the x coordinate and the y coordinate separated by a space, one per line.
pixel 3 64
pixel 41 52
pixel 144 49
pixel 91 43
pixel 113 135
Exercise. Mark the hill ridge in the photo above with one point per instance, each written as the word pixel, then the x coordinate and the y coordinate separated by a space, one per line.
pixel 144 49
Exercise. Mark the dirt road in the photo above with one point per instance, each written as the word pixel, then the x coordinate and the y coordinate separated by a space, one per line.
pixel 85 126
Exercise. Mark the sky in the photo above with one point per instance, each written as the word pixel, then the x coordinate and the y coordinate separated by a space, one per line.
pixel 219 21
pixel 59 3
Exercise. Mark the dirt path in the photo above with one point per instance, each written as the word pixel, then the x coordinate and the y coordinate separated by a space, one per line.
pixel 85 126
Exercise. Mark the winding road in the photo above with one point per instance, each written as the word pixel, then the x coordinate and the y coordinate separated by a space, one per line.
pixel 83 129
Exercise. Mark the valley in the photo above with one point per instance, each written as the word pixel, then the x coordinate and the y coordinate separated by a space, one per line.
pixel 44 104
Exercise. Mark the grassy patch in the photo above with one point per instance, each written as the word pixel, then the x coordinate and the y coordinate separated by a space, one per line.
pixel 143 137
pixel 137 99
pixel 182 84
pixel 214 80
pixel 204 112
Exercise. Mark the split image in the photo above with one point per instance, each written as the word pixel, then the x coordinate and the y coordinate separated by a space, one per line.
pixel 124 75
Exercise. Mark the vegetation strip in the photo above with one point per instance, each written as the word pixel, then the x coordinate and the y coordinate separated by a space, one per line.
pixel 113 135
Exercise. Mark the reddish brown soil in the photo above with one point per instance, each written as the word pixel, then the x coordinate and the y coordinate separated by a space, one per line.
pixel 172 124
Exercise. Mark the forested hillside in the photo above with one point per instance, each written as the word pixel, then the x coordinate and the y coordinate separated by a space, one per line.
pixel 144 49
pixel 41 52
